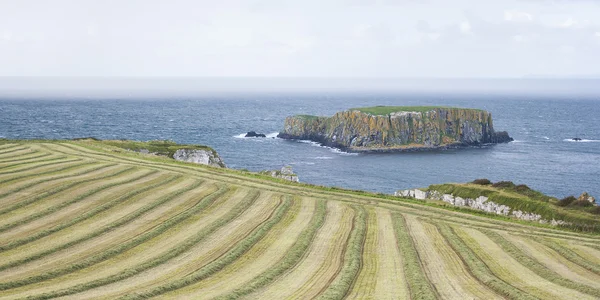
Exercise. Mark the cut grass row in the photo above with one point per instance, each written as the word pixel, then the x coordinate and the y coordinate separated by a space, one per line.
pixel 342 284
pixel 11 150
pixel 418 284
pixel 36 183
pixel 217 265
pixel 35 154
pixel 155 184
pixel 292 258
pixel 81 163
pixel 171 253
pixel 570 255
pixel 31 165
pixel 89 261
pixel 537 267
pixel 477 267
pixel 71 201
pixel 65 187
pixel 202 203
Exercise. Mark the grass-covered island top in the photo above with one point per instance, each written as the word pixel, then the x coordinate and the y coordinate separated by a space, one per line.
pixel 386 110
pixel 396 128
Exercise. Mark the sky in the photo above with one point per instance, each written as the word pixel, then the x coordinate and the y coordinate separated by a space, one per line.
pixel 308 38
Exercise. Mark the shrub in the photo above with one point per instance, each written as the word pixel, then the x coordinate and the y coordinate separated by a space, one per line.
pixel 566 201
pixel 504 184
pixel 522 188
pixel 595 210
pixel 482 181
pixel 581 203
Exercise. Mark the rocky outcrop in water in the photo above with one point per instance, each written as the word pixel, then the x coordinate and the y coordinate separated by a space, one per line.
pixel 358 131
pixel 199 156
pixel 254 134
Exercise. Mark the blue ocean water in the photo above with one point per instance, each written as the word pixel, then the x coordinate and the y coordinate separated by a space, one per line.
pixel 542 156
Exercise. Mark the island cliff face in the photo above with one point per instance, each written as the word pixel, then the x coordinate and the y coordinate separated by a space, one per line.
pixel 403 130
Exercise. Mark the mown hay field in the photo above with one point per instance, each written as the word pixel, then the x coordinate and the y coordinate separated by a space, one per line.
pixel 82 220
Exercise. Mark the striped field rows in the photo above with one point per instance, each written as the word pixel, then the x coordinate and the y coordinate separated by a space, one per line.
pixel 79 220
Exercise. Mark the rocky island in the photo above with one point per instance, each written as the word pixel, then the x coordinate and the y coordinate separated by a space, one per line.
pixel 396 128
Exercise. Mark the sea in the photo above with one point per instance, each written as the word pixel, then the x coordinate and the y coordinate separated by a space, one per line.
pixel 542 156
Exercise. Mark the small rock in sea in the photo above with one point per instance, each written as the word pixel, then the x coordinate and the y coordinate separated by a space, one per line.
pixel 254 134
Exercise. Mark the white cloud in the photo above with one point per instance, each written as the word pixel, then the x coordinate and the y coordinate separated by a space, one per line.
pixel 517 16
pixel 465 27
pixel 520 38
pixel 568 23
pixel 598 34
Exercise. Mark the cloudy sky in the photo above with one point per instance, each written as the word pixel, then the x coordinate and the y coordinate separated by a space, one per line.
pixel 307 38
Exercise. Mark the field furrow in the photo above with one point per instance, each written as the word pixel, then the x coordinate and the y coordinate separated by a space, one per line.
pixel 193 251
pixel 570 255
pixel 559 269
pixel 292 257
pixel 110 232
pixel 320 263
pixel 216 264
pixel 92 204
pixel 14 151
pixel 100 263
pixel 511 271
pixel 443 266
pixel 417 281
pixel 130 213
pixel 346 276
pixel 30 208
pixel 50 169
pixel 36 164
pixel 30 186
pixel 34 154
pixel 391 279
pixel 591 252
pixel 364 286
pixel 150 256
pixel 261 257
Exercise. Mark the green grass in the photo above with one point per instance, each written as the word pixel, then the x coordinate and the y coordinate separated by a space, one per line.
pixel 154 184
pixel 342 284
pixel 537 267
pixel 26 158
pixel 526 201
pixel 59 170
pixel 418 283
pixel 570 255
pixel 386 110
pixel 169 254
pixel 478 268
pixel 62 205
pixel 95 259
pixel 159 147
pixel 47 162
pixel 203 203
pixel 238 250
pixel 292 258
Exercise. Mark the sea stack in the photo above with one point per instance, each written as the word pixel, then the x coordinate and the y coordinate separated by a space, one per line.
pixel 397 129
